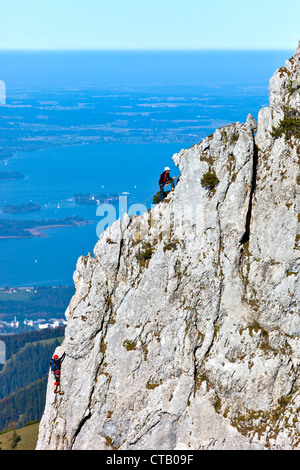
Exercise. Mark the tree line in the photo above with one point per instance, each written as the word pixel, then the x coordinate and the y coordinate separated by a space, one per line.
pixel 44 302
pixel 23 378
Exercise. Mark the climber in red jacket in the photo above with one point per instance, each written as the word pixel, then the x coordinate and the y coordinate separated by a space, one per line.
pixel 55 364
pixel 165 179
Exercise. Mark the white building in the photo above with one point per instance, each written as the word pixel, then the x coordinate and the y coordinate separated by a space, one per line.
pixel 14 323
pixel 44 325
pixel 55 322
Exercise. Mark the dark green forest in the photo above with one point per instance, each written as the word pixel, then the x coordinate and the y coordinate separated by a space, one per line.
pixel 23 379
pixel 25 405
pixel 45 302
pixel 13 343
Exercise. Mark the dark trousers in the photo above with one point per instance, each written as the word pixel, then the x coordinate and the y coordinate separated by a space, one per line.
pixel 162 190
pixel 57 378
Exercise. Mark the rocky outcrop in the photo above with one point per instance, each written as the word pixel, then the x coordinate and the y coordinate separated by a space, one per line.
pixel 184 331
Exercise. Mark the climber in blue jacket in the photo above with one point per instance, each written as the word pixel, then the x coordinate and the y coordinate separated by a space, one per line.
pixel 55 364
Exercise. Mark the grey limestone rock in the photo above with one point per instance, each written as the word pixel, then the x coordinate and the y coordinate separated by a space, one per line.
pixel 197 345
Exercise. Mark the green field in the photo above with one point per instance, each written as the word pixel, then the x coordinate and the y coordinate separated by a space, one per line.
pixel 39 302
pixel 20 439
pixel 15 296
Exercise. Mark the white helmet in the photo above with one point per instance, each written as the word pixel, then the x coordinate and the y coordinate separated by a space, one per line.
pixel 167 168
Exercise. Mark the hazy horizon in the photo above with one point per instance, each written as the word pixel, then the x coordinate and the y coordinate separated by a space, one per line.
pixel 156 25
pixel 152 49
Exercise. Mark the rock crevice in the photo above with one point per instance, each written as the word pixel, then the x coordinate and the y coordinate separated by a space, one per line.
pixel 184 331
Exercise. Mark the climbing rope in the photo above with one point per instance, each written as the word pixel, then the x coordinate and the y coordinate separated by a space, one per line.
pixel 174 177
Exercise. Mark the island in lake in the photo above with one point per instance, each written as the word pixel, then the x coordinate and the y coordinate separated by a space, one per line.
pixel 21 208
pixel 4 153
pixel 10 175
pixel 95 199
pixel 34 228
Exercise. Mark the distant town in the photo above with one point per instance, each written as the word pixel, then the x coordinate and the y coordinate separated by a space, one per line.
pixel 10 327
pixel 24 309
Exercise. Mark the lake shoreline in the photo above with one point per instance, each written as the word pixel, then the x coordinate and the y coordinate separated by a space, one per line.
pixel 38 231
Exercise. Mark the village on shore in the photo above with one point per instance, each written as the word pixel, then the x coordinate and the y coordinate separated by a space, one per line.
pixel 16 326
pixel 19 323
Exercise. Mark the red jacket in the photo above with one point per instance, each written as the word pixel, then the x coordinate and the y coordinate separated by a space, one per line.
pixel 164 178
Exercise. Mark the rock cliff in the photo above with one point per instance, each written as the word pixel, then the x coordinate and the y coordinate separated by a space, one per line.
pixel 184 331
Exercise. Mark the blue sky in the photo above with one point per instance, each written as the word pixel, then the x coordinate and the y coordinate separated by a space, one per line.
pixel 149 24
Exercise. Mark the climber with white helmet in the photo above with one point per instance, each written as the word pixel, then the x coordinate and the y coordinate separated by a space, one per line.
pixel 164 180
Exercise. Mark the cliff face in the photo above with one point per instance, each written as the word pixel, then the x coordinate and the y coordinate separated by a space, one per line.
pixel 184 331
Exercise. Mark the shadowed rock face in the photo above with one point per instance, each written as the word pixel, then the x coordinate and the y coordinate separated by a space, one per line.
pixel 196 347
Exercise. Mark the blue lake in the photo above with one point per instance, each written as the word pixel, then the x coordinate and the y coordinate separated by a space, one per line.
pixel 130 112
pixel 52 177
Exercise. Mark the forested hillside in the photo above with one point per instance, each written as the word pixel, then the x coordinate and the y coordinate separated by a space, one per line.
pixel 24 405
pixel 45 301
pixel 24 376
pixel 14 343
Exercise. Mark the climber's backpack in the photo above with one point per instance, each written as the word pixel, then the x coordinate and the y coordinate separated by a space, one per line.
pixel 54 365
